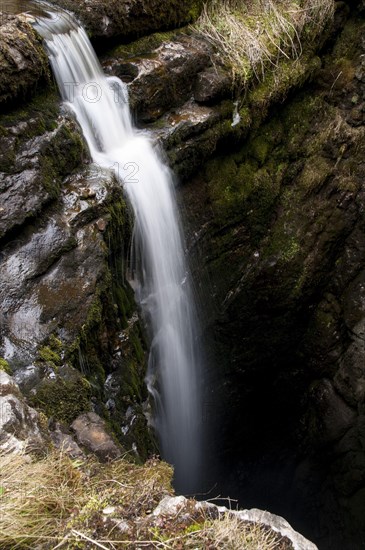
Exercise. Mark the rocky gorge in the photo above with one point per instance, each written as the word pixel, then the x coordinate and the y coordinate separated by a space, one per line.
pixel 270 176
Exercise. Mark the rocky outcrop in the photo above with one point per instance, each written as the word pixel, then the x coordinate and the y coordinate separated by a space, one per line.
pixel 179 90
pixel 23 61
pixel 19 424
pixel 129 19
pixel 175 506
pixel 64 233
pixel 161 77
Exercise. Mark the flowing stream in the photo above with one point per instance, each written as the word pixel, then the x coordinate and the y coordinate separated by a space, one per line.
pixel 158 270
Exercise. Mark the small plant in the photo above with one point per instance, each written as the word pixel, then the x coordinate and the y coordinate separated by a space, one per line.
pixel 250 37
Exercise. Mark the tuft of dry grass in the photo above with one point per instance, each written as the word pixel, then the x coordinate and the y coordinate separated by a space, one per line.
pixel 250 36
pixel 57 503
pixel 44 501
pixel 36 498
pixel 230 533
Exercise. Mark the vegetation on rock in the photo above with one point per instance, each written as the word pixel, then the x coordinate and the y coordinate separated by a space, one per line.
pixel 251 37
pixel 4 366
pixel 56 502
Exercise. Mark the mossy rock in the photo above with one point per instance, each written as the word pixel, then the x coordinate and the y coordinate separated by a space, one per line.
pixel 23 60
pixel 63 399
pixel 108 19
pixel 4 366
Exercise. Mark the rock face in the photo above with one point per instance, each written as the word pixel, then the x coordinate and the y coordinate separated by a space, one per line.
pixel 67 314
pixel 285 212
pixel 23 61
pixel 19 423
pixel 128 19
pixel 181 93
pixel 163 79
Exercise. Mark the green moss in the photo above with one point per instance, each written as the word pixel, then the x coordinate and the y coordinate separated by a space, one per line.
pixel 144 45
pixel 123 301
pixel 46 354
pixel 135 339
pixel 314 173
pixel 195 10
pixel 288 74
pixel 259 149
pixel 347 46
pixel 4 366
pixel 63 400
pixel 49 177
pixel 39 115
pixel 55 343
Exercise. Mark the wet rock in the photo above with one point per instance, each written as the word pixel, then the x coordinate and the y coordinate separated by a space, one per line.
pixel 36 174
pixel 164 77
pixel 91 433
pixel 62 256
pixel 212 84
pixel 131 18
pixel 190 134
pixel 19 423
pixel 23 61
pixel 101 224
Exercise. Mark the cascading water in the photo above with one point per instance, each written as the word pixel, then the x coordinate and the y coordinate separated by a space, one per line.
pixel 158 270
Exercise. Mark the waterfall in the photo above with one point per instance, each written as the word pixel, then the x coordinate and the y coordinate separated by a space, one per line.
pixel 158 270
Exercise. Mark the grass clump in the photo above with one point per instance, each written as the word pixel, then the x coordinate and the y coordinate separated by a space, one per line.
pixel 250 37
pixel 55 502
pixel 231 533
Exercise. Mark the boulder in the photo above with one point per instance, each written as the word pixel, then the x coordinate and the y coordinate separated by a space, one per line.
pixel 65 442
pixel 19 423
pixel 91 433
pixel 212 84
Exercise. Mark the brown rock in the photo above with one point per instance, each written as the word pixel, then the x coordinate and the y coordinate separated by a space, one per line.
pixel 91 432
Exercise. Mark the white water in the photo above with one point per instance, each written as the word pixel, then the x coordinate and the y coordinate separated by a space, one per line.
pixel 158 270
